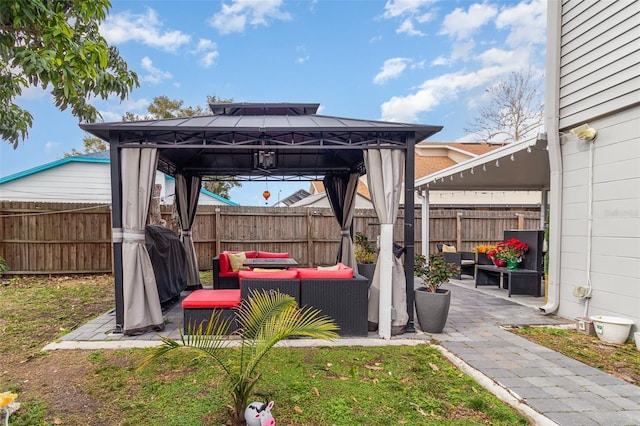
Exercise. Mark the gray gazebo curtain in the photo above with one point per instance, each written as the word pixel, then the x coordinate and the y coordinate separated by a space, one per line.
pixel 387 296
pixel 187 193
pixel 341 192
pixel 142 311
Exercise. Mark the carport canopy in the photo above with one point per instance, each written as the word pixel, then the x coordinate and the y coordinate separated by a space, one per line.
pixel 518 166
pixel 250 141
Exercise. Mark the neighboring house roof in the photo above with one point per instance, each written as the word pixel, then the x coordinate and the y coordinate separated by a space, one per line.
pixel 362 190
pixel 15 180
pixel 430 158
pixel 294 198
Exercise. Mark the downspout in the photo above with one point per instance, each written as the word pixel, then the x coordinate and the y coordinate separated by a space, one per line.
pixel 552 123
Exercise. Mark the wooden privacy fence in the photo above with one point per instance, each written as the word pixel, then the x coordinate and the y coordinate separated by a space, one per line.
pixel 62 238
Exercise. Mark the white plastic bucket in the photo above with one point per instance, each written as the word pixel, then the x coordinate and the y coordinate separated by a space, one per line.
pixel 636 337
pixel 612 329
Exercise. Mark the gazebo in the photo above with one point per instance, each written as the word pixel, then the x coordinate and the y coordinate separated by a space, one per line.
pixel 257 141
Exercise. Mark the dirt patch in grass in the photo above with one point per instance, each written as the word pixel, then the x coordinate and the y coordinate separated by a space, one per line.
pixel 622 361
pixel 35 311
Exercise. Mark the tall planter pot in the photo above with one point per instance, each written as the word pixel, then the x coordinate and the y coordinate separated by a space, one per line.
pixel 432 309
pixel 367 270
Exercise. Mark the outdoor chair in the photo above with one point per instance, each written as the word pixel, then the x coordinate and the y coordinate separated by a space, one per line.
pixel 464 260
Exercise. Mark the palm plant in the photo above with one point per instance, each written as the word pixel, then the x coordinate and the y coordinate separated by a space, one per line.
pixel 264 319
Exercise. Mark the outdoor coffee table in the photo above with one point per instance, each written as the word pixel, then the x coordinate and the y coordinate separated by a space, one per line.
pixel 270 263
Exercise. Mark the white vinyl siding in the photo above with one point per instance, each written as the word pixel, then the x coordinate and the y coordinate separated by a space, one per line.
pixel 68 183
pixel 600 59
pixel 79 182
pixel 615 251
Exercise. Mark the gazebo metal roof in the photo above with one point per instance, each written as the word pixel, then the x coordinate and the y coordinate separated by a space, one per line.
pixel 261 140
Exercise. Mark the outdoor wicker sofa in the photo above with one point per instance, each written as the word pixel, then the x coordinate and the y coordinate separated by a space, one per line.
pixel 343 298
pixel 225 277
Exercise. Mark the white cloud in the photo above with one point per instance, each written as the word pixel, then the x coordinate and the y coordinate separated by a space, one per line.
pixel 234 17
pixel 34 92
pixel 435 91
pixel 51 147
pixel 392 68
pixel 115 111
pixel 154 75
pixel 406 27
pixel 461 25
pixel 527 23
pixel 303 56
pixel 396 8
pixel 409 11
pixel 208 52
pixel 142 28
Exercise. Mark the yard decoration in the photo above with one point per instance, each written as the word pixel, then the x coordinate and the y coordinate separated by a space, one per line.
pixel 259 414
pixel 8 405
pixel 264 319
pixel 432 302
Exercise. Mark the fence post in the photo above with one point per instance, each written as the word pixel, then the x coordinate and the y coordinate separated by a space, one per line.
pixel 310 249
pixel 520 221
pixel 459 231
pixel 217 232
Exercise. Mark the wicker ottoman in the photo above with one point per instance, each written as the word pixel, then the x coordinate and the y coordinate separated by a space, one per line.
pixel 200 305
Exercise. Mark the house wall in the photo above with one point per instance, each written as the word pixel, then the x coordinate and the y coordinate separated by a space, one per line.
pixel 599 59
pixel 600 85
pixel 71 182
pixel 79 181
pixel 615 242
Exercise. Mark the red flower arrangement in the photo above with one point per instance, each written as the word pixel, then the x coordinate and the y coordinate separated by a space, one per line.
pixel 512 250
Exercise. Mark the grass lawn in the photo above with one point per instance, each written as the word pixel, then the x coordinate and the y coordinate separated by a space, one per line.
pixel 310 386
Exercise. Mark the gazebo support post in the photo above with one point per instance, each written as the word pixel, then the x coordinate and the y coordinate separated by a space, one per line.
pixel 116 224
pixel 409 235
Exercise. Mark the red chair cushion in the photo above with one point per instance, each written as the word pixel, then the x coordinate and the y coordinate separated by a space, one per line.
pixel 275 275
pixel 342 272
pixel 270 255
pixel 212 299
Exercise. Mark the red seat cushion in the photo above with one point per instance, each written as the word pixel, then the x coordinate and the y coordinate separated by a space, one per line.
pixel 271 255
pixel 289 274
pixel 343 272
pixel 212 299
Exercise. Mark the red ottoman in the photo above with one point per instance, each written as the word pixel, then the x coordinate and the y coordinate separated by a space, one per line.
pixel 200 305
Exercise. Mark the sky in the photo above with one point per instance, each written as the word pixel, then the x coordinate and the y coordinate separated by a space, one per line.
pixel 412 61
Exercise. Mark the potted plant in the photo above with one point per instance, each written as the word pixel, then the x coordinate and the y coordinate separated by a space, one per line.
pixel 509 253
pixel 432 302
pixel 365 253
pixel 481 251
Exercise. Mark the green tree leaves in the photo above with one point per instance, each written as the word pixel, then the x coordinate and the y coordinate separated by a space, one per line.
pixel 56 45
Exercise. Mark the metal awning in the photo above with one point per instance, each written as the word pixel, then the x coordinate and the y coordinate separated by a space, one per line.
pixel 518 166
